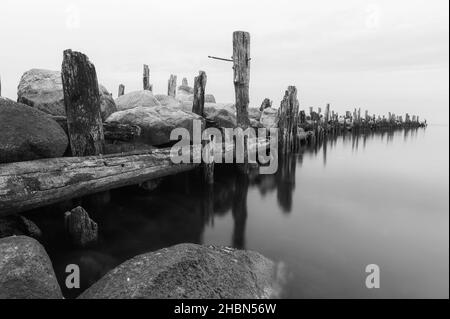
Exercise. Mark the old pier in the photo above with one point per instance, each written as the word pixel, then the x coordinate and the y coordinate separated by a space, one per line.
pixel 96 161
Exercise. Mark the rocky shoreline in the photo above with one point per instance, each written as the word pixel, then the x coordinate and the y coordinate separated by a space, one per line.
pixel 37 127
pixel 181 271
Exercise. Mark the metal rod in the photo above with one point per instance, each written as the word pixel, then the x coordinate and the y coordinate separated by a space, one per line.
pixel 217 58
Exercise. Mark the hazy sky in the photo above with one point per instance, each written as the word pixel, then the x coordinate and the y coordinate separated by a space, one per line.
pixel 378 55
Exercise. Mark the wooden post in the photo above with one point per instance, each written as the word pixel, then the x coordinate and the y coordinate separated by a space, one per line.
pixel 208 165
pixel 121 90
pixel 199 93
pixel 146 78
pixel 172 86
pixel 288 120
pixel 82 104
pixel 302 118
pixel 241 67
pixel 327 114
pixel 184 82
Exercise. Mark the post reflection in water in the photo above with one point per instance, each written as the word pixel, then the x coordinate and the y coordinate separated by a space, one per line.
pixel 183 209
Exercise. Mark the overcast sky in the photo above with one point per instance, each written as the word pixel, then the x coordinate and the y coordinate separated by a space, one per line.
pixel 378 55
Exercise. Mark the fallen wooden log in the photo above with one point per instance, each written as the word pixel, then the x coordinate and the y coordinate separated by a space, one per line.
pixel 32 184
pixel 112 130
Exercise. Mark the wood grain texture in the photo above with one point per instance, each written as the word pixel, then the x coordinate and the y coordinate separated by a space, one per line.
pixel 111 130
pixel 288 120
pixel 241 68
pixel 82 104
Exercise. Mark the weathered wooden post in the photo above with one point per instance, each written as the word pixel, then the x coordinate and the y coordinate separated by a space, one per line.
pixel 146 78
pixel 241 68
pixel 172 86
pixel 241 79
pixel 288 120
pixel 327 115
pixel 82 104
pixel 199 93
pixel 302 119
pixel 121 90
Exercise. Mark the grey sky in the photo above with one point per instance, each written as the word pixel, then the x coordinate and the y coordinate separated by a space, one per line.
pixel 378 55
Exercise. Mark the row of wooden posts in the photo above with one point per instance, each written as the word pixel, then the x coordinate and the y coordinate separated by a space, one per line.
pixel 27 185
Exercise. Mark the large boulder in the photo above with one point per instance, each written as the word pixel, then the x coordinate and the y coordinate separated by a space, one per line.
pixel 185 92
pixel 190 271
pixel 135 99
pixel 222 118
pixel 166 100
pixel 156 122
pixel 269 118
pixel 43 90
pixel 27 133
pixel 26 271
pixel 209 98
pixel 254 113
pixel 107 104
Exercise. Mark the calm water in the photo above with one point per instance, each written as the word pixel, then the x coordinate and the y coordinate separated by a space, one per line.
pixel 328 212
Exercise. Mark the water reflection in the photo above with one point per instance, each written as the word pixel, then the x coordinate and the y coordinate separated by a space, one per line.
pixel 133 221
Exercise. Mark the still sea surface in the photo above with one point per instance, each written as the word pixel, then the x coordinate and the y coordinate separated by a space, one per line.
pixel 330 210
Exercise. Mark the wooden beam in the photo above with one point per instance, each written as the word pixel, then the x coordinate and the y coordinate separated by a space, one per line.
pixel 82 104
pixel 199 93
pixel 112 131
pixel 32 184
pixel 38 183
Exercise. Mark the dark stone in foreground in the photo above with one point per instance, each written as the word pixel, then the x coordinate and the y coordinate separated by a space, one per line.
pixel 81 229
pixel 18 225
pixel 26 271
pixel 189 271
